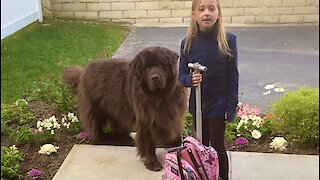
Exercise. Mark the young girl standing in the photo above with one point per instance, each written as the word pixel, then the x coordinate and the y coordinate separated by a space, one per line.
pixel 209 44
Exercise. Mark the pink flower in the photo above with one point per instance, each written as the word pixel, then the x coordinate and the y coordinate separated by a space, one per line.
pixel 83 135
pixel 34 174
pixel 241 141
pixel 245 110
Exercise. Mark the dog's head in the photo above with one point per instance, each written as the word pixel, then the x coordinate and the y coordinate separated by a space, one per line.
pixel 155 68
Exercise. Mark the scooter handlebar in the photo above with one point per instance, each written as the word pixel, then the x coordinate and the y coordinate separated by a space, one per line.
pixel 197 67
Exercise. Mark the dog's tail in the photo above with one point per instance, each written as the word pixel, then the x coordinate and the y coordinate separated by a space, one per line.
pixel 71 76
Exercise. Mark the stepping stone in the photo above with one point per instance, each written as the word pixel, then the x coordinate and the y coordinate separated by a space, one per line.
pixel 105 162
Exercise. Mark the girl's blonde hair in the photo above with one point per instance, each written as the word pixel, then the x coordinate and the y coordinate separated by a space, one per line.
pixel 192 32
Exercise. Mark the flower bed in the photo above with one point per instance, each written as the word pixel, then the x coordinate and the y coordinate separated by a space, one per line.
pixel 41 137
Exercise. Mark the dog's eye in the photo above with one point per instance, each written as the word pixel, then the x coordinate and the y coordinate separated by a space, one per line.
pixel 160 65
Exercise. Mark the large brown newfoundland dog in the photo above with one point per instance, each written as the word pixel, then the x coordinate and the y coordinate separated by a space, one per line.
pixel 144 94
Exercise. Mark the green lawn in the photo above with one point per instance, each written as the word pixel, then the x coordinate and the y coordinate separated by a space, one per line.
pixel 45 49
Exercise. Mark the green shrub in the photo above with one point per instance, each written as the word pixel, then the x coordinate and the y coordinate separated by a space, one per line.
pixel 75 128
pixel 297 117
pixel 22 135
pixel 44 137
pixel 27 118
pixel 231 132
pixel 54 92
pixel 23 114
pixel 7 115
pixel 187 126
pixel 10 159
pixel 5 130
pixel 242 127
pixel 7 112
pixel 17 112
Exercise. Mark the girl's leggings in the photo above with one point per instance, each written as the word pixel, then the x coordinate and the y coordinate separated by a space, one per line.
pixel 213 134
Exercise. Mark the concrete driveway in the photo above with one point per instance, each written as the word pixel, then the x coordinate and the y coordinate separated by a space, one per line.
pixel 287 56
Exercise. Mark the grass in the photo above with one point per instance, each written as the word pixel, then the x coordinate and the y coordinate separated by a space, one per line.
pixel 45 49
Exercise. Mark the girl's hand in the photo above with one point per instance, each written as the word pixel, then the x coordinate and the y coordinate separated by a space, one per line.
pixel 196 78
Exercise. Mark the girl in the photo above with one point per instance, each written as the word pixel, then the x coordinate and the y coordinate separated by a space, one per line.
pixel 209 44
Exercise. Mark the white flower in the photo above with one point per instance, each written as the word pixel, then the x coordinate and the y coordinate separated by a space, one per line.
pixel 269 86
pixel 48 149
pixel 279 89
pixel 279 143
pixel 74 119
pixel 256 121
pixel 266 93
pixel 67 125
pixel 21 101
pixel 68 119
pixel 256 134
pixel 38 124
pixel 53 119
pixel 70 115
pixel 48 124
pixel 13 148
pixel 133 135
pixel 63 119
pixel 56 125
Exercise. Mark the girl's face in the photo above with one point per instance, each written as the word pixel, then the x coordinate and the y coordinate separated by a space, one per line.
pixel 206 14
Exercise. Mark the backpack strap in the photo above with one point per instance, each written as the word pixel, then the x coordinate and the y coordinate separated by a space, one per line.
pixel 196 165
pixel 180 166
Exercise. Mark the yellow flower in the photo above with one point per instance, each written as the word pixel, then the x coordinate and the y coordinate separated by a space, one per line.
pixel 279 89
pixel 269 86
pixel 48 149
pixel 256 134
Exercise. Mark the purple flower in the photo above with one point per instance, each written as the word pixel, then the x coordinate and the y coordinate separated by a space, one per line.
pixel 241 141
pixel 83 135
pixel 34 174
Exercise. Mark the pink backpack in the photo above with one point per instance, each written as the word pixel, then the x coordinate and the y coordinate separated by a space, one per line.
pixel 192 160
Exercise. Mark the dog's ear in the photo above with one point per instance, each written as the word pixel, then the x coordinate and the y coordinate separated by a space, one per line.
pixel 174 56
pixel 172 59
pixel 71 76
pixel 171 56
pixel 136 66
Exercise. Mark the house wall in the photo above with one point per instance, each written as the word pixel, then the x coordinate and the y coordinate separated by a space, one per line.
pixel 147 12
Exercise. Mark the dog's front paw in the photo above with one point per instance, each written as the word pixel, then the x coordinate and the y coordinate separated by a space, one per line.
pixel 153 165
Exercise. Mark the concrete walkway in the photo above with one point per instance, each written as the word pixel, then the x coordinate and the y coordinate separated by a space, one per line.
pixel 88 162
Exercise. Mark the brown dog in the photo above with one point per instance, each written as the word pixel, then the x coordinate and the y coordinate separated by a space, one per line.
pixel 144 94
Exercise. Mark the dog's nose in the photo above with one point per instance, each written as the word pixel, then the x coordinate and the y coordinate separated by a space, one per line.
pixel 155 77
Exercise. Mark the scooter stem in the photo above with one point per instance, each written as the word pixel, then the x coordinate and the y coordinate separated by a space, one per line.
pixel 198 68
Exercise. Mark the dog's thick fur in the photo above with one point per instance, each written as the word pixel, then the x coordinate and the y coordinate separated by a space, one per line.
pixel 144 94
